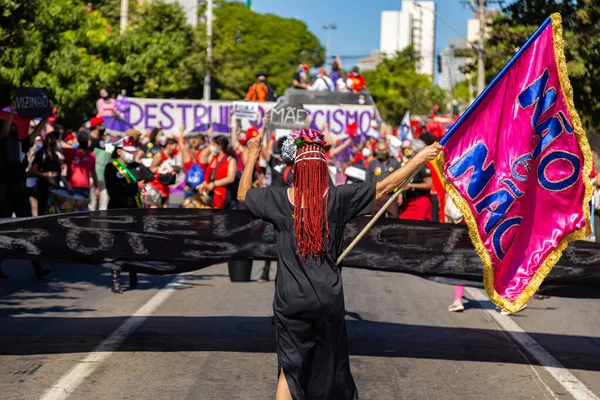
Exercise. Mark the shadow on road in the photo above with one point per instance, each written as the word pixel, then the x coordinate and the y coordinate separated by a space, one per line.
pixel 256 334
pixel 70 282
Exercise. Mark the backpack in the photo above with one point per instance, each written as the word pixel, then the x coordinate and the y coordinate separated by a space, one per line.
pixel 194 176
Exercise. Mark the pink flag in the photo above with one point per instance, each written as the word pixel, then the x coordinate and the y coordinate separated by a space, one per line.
pixel 517 164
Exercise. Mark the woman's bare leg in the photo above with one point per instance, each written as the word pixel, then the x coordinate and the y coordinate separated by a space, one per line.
pixel 283 391
pixel 34 206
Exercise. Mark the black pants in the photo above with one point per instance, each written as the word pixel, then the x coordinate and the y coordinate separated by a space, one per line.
pixel 14 199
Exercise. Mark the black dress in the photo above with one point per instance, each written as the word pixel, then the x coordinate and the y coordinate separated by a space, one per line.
pixel 45 163
pixel 312 346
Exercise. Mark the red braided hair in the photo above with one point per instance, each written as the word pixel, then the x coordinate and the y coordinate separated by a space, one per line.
pixel 310 188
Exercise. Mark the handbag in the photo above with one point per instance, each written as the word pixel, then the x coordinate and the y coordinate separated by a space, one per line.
pixel 194 176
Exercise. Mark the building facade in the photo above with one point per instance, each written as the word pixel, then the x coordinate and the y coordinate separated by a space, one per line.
pixel 190 8
pixel 369 63
pixel 451 66
pixel 413 25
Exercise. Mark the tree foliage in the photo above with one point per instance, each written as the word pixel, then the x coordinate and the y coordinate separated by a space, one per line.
pixel 246 43
pixel 581 25
pixel 61 46
pixel 397 87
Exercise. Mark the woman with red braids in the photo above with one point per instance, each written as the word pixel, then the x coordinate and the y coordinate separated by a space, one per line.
pixel 309 217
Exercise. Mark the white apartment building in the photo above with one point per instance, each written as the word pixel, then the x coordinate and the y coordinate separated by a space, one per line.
pixel 190 8
pixel 413 24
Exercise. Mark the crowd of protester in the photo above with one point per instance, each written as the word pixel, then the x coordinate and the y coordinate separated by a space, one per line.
pixel 53 169
pixel 337 80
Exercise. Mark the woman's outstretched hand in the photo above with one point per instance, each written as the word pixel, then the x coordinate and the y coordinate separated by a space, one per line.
pixel 430 152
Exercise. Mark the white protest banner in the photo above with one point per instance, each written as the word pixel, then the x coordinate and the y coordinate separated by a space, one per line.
pixel 245 110
pixel 170 114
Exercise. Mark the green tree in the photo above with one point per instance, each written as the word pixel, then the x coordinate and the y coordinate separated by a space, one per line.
pixel 461 92
pixel 246 42
pixel 71 51
pixel 53 44
pixel 152 57
pixel 397 87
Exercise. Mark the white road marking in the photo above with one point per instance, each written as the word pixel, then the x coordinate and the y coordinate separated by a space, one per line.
pixel 67 384
pixel 562 375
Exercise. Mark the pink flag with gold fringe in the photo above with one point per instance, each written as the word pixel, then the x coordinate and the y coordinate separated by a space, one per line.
pixel 517 165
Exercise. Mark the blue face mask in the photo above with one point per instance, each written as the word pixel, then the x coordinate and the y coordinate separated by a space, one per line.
pixel 38 147
pixel 76 146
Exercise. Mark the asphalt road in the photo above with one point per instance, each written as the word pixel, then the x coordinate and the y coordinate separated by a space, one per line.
pixel 208 338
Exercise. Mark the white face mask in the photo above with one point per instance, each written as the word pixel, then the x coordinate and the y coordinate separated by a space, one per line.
pixel 361 101
pixel 214 150
pixel 366 152
pixel 128 157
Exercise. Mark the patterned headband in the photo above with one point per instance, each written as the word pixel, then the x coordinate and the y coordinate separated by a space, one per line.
pixel 298 138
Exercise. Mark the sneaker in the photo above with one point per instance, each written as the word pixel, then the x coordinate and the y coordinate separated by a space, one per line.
pixel 456 308
pixel 505 313
pixel 264 277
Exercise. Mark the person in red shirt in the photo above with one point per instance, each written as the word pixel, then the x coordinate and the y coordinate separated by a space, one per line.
pixel 81 165
pixel 165 170
pixel 416 202
pixel 220 174
pixel 355 81
pixel 197 148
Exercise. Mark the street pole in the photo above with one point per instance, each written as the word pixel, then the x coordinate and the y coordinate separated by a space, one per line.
pixel 124 15
pixel 209 33
pixel 470 83
pixel 481 52
pixel 328 56
pixel 329 28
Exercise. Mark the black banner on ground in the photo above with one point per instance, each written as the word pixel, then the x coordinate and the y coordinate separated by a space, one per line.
pixel 170 241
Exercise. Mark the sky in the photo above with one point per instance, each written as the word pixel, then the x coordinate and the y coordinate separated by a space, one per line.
pixel 358 21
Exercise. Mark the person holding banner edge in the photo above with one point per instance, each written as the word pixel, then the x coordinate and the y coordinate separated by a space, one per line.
pixel 312 347
pixel 125 179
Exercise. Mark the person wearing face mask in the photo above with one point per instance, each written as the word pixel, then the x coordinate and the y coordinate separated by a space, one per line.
pixel 356 170
pixel 300 79
pixel 165 170
pixel 194 156
pixel 13 175
pixel 151 147
pixel 406 151
pixel 105 106
pixel 220 175
pixel 125 179
pixel 81 165
pixel 103 157
pixel 46 167
pixel 14 197
pixel 70 141
pixel 379 169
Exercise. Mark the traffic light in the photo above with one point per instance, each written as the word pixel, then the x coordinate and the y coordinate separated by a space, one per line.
pixel 439 63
